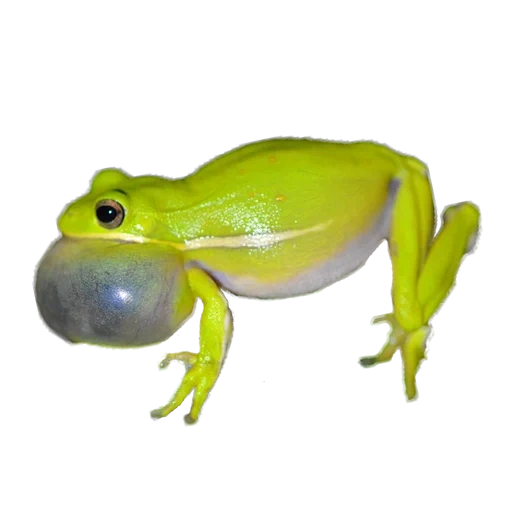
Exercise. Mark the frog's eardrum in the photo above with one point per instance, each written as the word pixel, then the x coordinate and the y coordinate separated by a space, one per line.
pixel 112 293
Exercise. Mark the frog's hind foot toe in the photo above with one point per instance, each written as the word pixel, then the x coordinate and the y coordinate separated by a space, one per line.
pixel 156 414
pixel 189 419
pixel 188 358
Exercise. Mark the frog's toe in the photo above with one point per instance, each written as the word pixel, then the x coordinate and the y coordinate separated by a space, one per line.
pixel 189 419
pixel 381 319
pixel 199 379
pixel 396 337
pixel 413 352
pixel 188 358
pixel 156 414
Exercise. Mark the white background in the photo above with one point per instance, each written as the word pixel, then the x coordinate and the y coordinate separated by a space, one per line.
pixel 500 227
pixel 294 422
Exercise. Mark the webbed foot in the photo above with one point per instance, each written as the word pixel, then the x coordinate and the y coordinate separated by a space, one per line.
pixel 200 378
pixel 413 351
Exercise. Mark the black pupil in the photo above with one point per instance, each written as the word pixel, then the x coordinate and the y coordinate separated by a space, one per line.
pixel 106 213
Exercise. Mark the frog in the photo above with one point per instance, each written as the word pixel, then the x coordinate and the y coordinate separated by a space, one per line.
pixel 272 219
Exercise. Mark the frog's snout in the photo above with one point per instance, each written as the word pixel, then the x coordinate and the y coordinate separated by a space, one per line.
pixel 68 217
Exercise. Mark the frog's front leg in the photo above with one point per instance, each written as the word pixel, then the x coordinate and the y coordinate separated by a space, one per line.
pixel 203 368
pixel 424 269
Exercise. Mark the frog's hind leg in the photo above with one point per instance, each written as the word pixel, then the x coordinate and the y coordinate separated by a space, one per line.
pixel 424 268
pixel 457 238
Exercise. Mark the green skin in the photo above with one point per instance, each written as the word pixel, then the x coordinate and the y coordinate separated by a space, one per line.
pixel 284 217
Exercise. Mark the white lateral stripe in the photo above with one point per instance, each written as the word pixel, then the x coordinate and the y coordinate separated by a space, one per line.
pixel 251 240
pixel 233 242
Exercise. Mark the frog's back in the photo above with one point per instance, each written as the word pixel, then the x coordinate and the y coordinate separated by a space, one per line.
pixel 284 217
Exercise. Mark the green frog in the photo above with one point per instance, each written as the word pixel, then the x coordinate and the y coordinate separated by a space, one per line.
pixel 276 218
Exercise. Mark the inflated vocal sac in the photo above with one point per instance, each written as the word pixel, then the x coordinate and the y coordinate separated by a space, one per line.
pixel 111 292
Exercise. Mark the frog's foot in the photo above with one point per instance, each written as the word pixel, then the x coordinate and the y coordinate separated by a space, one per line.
pixel 382 319
pixel 396 338
pixel 200 378
pixel 415 353
pixel 187 358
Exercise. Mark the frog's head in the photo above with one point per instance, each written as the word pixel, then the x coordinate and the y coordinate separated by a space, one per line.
pixel 97 284
pixel 112 209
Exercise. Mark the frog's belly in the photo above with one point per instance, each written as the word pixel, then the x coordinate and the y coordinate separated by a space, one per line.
pixel 300 275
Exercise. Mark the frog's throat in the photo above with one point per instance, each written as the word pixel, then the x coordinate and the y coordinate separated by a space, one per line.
pixel 210 242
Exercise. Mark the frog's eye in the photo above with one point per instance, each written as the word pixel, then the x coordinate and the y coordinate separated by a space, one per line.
pixel 109 213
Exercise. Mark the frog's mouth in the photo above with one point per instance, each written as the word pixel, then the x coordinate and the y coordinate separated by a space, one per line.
pixel 112 292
